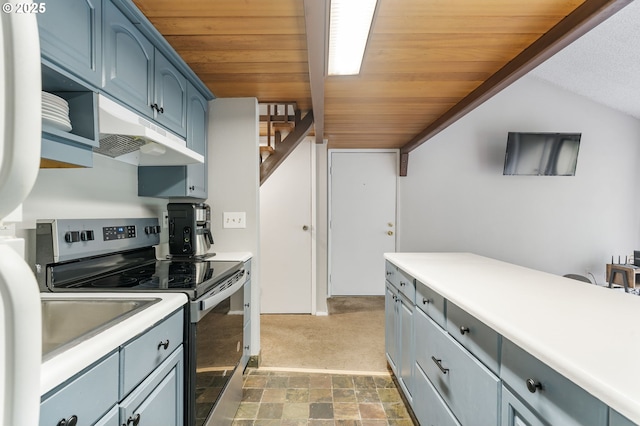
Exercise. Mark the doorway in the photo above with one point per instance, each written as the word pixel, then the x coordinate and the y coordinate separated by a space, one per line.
pixel 286 235
pixel 362 219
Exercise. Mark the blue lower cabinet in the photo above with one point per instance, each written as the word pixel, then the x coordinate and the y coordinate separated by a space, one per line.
pixel 86 398
pixel 157 400
pixel 515 413
pixel 429 407
pixel 617 419
pixel 112 418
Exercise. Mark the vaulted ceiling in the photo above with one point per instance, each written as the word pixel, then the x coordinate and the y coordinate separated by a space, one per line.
pixel 426 59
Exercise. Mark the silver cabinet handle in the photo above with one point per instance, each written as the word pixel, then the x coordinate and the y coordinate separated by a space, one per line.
pixel 464 330
pixel 134 419
pixel 439 364
pixel 533 385
pixel 425 301
pixel 305 228
pixel 163 345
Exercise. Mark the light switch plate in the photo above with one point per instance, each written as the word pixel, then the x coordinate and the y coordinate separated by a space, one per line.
pixel 234 220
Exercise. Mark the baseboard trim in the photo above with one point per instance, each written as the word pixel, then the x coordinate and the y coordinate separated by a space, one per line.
pixel 322 313
pixel 325 371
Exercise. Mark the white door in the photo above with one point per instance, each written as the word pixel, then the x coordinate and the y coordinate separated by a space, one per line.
pixel 362 220
pixel 285 235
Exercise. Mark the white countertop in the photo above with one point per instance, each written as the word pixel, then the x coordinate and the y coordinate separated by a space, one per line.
pixel 61 367
pixel 241 256
pixel 585 332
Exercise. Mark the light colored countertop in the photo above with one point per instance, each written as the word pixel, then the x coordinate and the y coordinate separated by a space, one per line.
pixel 241 256
pixel 589 334
pixel 61 367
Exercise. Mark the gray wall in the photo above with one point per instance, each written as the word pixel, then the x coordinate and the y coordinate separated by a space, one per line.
pixel 234 182
pixel 455 197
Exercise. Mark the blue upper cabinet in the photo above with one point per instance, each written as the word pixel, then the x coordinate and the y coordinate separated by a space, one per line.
pixel 128 62
pixel 170 95
pixel 139 75
pixel 70 35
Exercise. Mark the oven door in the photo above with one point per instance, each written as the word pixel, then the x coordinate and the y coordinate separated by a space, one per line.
pixel 216 336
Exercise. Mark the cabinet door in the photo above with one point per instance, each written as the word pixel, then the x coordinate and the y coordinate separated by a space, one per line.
pixel 158 401
pixel 617 419
pixel 70 36
pixel 128 61
pixel 170 95
pixel 197 141
pixel 470 389
pixel 390 318
pixel 515 413
pixel 406 345
pixel 110 419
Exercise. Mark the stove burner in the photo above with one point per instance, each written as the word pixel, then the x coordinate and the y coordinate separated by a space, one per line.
pixel 172 281
pixel 114 281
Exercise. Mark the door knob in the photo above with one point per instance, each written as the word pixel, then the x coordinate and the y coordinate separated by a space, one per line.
pixel 305 228
pixel 389 233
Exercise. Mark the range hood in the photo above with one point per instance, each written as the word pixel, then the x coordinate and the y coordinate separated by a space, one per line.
pixel 128 137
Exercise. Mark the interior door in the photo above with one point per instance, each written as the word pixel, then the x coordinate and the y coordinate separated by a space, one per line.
pixel 285 235
pixel 362 220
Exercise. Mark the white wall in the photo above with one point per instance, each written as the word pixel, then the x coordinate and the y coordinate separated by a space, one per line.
pixel 234 182
pixel 107 190
pixel 455 197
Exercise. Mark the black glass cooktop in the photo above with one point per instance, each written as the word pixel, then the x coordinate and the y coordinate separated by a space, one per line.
pixel 194 277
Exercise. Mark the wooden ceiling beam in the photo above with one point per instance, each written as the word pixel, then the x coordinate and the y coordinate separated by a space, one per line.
pixel 587 16
pixel 316 23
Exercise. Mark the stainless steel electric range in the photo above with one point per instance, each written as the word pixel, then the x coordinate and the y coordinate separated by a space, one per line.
pixel 118 255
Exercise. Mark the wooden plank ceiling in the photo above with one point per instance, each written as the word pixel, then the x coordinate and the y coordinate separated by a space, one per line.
pixel 423 57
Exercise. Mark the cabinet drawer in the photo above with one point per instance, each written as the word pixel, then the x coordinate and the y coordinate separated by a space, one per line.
pixel 430 409
pixel 401 280
pixel 558 401
pixel 88 397
pixel 430 302
pixel 482 341
pixel 145 353
pixel 470 390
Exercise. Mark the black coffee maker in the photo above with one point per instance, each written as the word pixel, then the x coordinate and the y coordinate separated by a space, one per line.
pixel 189 230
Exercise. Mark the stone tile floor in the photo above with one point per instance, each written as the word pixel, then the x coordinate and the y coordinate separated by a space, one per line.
pixel 319 399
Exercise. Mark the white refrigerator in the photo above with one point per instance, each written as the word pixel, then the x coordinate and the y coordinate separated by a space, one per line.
pixel 20 138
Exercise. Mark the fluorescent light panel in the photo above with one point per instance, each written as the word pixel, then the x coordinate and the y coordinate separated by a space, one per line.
pixel 350 22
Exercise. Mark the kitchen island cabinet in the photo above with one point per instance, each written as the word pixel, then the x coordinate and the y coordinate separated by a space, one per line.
pixel 548 371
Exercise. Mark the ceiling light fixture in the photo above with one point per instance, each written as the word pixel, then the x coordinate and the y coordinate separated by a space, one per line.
pixel 349 26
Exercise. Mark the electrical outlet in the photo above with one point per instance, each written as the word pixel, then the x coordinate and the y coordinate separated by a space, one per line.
pixel 234 220
pixel 165 219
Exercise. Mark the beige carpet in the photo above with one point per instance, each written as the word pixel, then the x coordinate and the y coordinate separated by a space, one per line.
pixel 350 338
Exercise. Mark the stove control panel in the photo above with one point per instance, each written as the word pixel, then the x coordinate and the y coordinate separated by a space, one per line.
pixel 118 232
pixel 59 240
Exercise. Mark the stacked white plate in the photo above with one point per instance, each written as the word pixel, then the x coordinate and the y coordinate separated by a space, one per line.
pixel 55 112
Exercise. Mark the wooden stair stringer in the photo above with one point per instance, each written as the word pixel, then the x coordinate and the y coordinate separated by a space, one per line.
pixel 286 147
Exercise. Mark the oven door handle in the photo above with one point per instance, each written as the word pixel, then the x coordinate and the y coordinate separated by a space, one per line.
pixel 211 301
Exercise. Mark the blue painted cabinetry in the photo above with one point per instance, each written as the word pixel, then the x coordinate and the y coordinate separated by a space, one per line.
pixel 140 380
pixel 71 36
pixel 465 373
pixel 182 181
pixel 139 75
pixel 399 338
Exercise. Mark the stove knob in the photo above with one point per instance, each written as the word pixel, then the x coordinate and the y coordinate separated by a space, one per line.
pixel 148 230
pixel 156 229
pixel 86 235
pixel 72 237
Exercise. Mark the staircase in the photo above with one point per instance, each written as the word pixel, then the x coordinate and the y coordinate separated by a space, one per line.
pixel 281 119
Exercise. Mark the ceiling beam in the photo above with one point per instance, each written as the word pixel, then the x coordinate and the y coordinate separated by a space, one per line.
pixel 315 13
pixel 585 17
